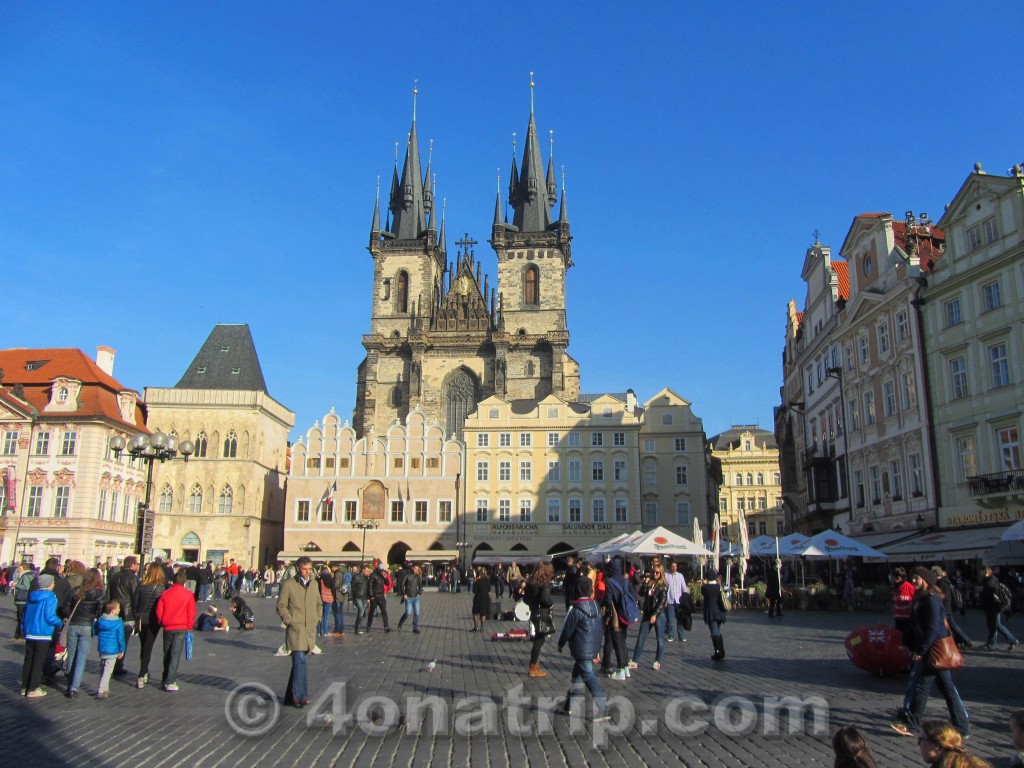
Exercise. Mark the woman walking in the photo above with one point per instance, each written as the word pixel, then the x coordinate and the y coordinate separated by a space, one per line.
pixel 87 606
pixel 653 601
pixel 714 611
pixel 942 746
pixel 481 599
pixel 537 595
pixel 154 582
pixel 927 626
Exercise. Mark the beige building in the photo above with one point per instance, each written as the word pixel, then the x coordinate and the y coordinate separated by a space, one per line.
pixel 974 314
pixel 399 489
pixel 65 494
pixel 883 373
pixel 753 482
pixel 228 500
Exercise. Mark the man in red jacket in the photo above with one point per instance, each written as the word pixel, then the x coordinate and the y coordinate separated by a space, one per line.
pixel 176 613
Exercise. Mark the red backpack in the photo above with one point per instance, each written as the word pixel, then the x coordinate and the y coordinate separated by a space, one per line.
pixel 388 583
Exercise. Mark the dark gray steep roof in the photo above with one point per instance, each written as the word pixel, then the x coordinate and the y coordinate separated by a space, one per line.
pixel 227 360
pixel 731 437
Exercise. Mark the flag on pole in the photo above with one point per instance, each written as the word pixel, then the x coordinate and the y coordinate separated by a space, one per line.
pixel 327 500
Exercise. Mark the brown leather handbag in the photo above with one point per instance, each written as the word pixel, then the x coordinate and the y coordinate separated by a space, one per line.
pixel 944 654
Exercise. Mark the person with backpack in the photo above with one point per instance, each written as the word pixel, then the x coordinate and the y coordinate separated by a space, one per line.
pixel 581 631
pixel 714 611
pixel 360 594
pixel 996 598
pixel 622 611
pixel 342 587
pixel 325 582
pixel 952 600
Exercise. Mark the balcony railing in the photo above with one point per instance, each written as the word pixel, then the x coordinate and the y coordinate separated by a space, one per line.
pixel 1009 481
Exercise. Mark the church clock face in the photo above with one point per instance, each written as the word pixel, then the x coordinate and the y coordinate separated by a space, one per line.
pixel 462 285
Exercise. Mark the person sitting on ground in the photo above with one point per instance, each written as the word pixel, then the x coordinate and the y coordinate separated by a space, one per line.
pixel 243 614
pixel 942 746
pixel 851 749
pixel 209 621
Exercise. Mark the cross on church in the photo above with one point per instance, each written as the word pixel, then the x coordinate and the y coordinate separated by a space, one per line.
pixel 465 242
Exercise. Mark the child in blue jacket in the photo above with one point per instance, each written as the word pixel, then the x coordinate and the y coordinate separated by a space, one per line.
pixel 38 624
pixel 110 639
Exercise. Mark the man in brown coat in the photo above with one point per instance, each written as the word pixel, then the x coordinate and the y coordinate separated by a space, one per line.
pixel 300 608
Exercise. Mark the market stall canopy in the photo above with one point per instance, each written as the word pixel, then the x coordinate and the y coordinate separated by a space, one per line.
pixel 1014 533
pixel 788 546
pixel 431 555
pixel 662 541
pixel 836 546
pixel 1006 553
pixel 606 547
pixel 951 544
pixel 346 556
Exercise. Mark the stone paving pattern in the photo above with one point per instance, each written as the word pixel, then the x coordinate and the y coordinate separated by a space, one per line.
pixel 800 655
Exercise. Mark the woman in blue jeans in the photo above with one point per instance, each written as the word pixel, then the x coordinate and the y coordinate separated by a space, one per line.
pixel 927 625
pixel 654 600
pixel 87 605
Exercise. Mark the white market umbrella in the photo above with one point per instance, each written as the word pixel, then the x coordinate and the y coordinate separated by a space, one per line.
pixel 1014 533
pixel 1010 548
pixel 744 548
pixel 609 547
pixel 661 541
pixel 836 546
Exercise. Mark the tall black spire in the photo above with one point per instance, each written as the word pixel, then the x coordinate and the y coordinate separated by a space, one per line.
pixel 407 195
pixel 530 202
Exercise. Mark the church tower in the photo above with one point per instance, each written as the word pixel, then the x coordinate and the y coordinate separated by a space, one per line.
pixel 408 268
pixel 534 255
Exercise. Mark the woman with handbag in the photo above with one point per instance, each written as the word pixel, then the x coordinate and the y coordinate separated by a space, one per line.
pixel 934 654
pixel 90 597
pixel 715 608
pixel 537 595
pixel 653 601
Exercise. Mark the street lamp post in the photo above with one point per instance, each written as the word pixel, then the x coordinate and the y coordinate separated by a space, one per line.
pixel 364 526
pixel 148 449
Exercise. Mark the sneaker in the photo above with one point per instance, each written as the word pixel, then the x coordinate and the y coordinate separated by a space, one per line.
pixel 171 688
pixel 619 674
pixel 625 671
pixel 103 695
pixel 387 629
pixel 604 718
pixel 36 694
pixel 1012 645
pixel 141 682
pixel 901 728
pixel 72 693
pixel 633 664
pixel 656 665
pixel 671 639
pixel 988 647
pixel 415 631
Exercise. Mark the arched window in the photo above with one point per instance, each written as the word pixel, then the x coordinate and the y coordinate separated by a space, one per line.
pixel 166 500
pixel 739 479
pixel 750 479
pixel 230 445
pixel 403 292
pixel 459 401
pixel 202 443
pixel 760 478
pixel 62 395
pixel 226 501
pixel 531 286
pixel 195 500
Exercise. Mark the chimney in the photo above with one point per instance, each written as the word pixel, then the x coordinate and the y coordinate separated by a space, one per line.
pixel 105 359
pixel 630 401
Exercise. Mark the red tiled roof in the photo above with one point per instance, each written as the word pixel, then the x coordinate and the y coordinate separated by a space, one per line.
pixel 799 319
pixel 929 244
pixel 843 273
pixel 35 370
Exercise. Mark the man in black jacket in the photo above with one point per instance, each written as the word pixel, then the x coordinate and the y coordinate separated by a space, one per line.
pixel 124 587
pixel 993 608
pixel 412 588
pixel 378 598
pixel 360 591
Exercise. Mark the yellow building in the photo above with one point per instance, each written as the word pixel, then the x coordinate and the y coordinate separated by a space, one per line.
pixel 228 500
pixel 753 481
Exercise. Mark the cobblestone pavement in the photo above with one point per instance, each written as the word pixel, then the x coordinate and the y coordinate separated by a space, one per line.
pixel 801 655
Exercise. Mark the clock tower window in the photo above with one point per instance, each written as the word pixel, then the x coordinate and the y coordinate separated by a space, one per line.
pixel 531 286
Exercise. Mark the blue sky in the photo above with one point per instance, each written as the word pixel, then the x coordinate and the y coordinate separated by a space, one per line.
pixel 166 167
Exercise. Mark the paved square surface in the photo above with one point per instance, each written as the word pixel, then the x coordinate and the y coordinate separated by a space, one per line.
pixel 801 655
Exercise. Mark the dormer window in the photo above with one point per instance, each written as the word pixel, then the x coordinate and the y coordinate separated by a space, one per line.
pixel 201 369
pixel 869 265
pixel 235 371
pixel 225 348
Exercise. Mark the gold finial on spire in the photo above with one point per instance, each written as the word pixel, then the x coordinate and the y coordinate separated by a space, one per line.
pixel 499 181
pixel 415 90
pixel 378 188
pixel 513 145
pixel 531 93
pixel 396 154
pixel 551 144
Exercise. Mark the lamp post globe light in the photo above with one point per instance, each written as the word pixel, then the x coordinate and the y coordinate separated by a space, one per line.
pixel 364 526
pixel 148 449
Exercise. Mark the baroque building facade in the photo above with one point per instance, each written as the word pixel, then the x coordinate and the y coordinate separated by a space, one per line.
pixel 752 484
pixel 228 500
pixel 65 494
